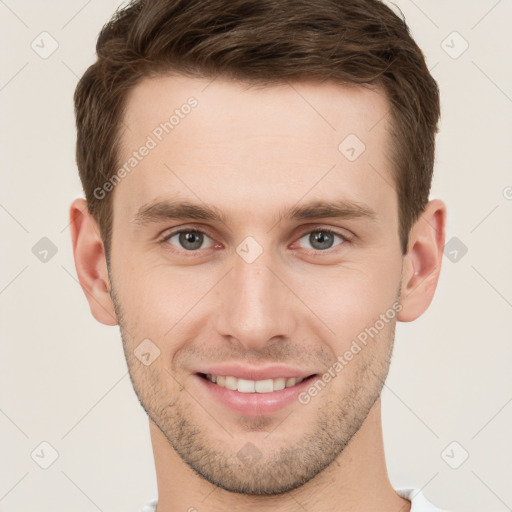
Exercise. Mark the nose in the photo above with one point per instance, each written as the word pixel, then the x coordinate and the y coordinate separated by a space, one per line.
pixel 257 305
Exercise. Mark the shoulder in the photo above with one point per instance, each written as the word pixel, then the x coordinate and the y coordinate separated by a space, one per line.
pixel 150 506
pixel 418 501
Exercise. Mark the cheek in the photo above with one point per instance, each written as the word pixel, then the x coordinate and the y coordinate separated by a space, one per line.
pixel 140 296
pixel 341 300
pixel 161 303
pixel 348 298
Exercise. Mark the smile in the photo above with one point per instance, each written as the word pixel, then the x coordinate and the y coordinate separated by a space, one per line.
pixel 253 386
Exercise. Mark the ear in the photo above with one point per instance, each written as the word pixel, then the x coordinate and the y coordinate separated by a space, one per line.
pixel 90 262
pixel 422 263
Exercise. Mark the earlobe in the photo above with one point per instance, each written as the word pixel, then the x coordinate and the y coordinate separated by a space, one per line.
pixel 422 263
pixel 90 262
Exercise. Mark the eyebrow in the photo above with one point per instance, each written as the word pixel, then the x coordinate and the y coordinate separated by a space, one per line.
pixel 168 210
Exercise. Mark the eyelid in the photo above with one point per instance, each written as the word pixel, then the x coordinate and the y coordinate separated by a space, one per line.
pixel 345 234
pixel 306 229
pixel 166 233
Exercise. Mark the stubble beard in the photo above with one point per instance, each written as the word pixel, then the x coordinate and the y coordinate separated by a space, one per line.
pixel 272 472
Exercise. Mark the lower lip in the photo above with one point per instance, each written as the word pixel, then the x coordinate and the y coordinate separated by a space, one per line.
pixel 255 404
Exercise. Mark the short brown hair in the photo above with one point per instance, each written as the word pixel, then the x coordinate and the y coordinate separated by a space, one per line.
pixel 260 41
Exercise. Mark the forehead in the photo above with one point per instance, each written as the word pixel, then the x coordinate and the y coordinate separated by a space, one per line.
pixel 252 148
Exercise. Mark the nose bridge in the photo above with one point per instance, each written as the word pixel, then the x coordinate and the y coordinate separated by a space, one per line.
pixel 256 306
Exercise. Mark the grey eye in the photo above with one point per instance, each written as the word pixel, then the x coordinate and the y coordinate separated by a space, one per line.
pixel 321 239
pixel 189 240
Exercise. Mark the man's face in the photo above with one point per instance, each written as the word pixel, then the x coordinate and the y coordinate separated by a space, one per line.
pixel 258 295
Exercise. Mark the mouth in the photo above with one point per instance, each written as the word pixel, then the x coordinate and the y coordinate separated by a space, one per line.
pixel 254 386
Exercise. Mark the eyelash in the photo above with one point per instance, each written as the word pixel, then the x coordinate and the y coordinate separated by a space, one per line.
pixel 346 239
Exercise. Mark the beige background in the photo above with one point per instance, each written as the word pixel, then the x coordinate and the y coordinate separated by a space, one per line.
pixel 63 376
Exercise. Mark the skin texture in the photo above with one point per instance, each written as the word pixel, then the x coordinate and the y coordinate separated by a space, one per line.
pixel 253 153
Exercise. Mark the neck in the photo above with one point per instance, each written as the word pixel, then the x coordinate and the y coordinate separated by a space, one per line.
pixel 356 481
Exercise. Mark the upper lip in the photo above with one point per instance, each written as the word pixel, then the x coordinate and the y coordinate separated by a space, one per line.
pixel 256 373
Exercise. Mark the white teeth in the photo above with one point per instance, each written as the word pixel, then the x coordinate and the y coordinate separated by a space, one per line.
pixel 279 384
pixel 245 386
pixel 231 383
pixel 264 386
pixel 254 386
